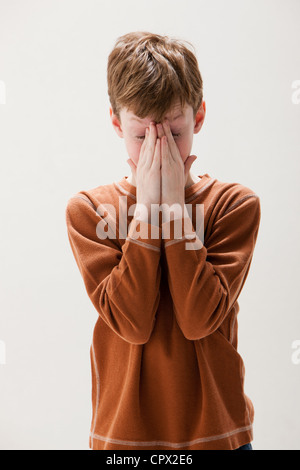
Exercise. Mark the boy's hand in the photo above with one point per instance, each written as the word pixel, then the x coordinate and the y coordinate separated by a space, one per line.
pixel 147 172
pixel 160 174
pixel 174 172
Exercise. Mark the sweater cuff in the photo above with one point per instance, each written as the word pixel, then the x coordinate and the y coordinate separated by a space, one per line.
pixel 146 233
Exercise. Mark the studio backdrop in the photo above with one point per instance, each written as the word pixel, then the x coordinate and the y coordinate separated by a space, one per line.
pixel 56 138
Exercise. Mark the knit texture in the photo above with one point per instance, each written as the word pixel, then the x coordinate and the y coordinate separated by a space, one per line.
pixel 166 373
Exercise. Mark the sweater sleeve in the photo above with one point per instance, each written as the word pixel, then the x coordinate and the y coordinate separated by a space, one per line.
pixel 122 282
pixel 206 280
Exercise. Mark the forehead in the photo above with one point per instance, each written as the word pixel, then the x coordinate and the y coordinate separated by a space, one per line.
pixel 175 116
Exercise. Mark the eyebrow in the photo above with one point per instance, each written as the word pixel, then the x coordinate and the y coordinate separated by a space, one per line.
pixel 139 120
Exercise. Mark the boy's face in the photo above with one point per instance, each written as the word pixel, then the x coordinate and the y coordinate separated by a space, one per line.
pixel 182 125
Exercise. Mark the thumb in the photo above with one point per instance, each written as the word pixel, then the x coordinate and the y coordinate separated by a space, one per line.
pixel 132 166
pixel 189 161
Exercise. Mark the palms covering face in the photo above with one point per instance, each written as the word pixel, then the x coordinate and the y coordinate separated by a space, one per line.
pixel 160 157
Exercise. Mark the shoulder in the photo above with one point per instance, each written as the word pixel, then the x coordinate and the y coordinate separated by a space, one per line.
pixel 94 214
pixel 229 196
pixel 234 213
pixel 92 199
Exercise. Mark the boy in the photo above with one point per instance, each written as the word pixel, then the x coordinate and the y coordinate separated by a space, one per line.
pixel 166 373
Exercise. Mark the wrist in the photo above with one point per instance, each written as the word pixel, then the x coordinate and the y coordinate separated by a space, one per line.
pixel 143 212
pixel 173 210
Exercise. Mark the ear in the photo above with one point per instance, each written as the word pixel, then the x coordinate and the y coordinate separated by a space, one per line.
pixel 116 123
pixel 199 118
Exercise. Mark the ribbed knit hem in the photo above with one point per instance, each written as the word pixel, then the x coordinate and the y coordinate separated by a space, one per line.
pixel 228 441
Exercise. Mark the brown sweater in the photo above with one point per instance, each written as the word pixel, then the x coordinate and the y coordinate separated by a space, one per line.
pixel 166 373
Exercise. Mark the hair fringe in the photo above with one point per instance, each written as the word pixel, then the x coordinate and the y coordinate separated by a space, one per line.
pixel 149 73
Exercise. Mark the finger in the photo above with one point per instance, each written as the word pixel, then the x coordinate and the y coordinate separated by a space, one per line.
pixel 190 160
pixel 142 156
pixel 152 139
pixel 132 166
pixel 157 154
pixel 160 130
pixel 171 141
pixel 131 163
pixel 165 151
pixel 150 145
pixel 188 163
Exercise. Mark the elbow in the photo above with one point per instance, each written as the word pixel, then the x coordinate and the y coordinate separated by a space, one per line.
pixel 143 334
pixel 137 340
pixel 130 330
pixel 194 332
pixel 137 335
pixel 204 323
pixel 133 325
pixel 131 333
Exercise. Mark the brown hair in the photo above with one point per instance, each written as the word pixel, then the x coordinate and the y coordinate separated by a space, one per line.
pixel 147 73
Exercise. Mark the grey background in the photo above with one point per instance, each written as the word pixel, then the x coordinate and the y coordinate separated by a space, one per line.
pixel 57 139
